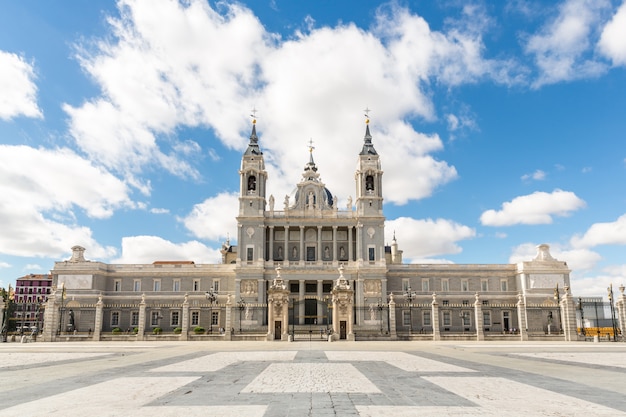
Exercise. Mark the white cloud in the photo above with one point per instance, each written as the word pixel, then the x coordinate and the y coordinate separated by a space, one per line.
pixel 159 211
pixel 213 218
pixel 536 208
pixel 5 265
pixel 562 45
pixel 538 175
pixel 19 91
pixel 421 239
pixel 612 43
pixel 147 249
pixel 44 187
pixel 33 267
pixel 609 233
pixel 167 65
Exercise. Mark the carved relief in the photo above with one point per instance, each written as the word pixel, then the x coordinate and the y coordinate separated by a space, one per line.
pixel 249 287
pixel 372 286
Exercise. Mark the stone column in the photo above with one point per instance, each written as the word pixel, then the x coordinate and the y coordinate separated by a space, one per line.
pixel 478 318
pixel 521 317
pixel 320 295
pixel 97 327
pixel 350 245
pixel 359 242
pixel 568 312
pixel 621 312
pixel 228 334
pixel 50 319
pixel 260 290
pixel 301 254
pixel 270 318
pixel 392 318
pixel 184 334
pixel 141 329
pixel 320 250
pixel 237 289
pixel 334 244
pixel 286 247
pixel 301 301
pixel 271 245
pixel 2 305
pixel 435 318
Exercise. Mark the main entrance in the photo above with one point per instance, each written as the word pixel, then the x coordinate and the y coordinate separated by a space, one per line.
pixel 310 319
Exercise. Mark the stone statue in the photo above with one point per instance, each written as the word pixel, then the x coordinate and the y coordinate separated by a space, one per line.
pixel 349 205
pixel 247 314
pixel 272 203
pixel 286 202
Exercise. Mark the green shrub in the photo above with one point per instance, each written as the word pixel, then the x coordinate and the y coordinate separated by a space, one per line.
pixel 178 330
pixel 117 330
pixel 136 330
pixel 198 330
pixel 157 330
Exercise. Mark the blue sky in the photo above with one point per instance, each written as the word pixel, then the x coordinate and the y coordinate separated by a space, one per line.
pixel 500 125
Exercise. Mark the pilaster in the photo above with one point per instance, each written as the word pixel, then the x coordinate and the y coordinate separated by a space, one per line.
pixel 478 313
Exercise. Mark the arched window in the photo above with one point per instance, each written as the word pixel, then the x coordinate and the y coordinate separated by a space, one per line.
pixel 369 183
pixel 251 183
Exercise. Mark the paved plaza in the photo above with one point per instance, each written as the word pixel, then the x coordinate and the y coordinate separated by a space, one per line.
pixel 250 379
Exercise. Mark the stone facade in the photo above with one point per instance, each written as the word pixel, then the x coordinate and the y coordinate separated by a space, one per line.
pixel 309 268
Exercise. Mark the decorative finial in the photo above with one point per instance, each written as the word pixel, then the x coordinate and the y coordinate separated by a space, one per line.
pixel 367 115
pixel 253 115
pixel 311 147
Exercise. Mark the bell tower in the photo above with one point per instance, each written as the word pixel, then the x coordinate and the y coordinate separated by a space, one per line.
pixel 252 188
pixel 369 203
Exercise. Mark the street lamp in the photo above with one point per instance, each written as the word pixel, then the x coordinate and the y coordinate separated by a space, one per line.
pixel 463 315
pixel 557 298
pixel 410 296
pixel 380 306
pixel 241 304
pixel 582 316
pixel 613 321
pixel 211 296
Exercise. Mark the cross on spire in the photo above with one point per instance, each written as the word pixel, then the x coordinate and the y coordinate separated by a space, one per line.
pixel 367 115
pixel 253 115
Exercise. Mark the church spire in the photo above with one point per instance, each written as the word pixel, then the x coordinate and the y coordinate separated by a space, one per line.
pixel 253 145
pixel 368 147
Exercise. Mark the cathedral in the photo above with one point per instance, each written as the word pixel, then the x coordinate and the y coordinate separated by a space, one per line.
pixel 304 268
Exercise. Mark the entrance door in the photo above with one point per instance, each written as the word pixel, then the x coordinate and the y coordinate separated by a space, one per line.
pixel 278 330
pixel 342 330
pixel 505 321
pixel 310 253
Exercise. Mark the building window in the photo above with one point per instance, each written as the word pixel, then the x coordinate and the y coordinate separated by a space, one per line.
pixel 466 316
pixel 371 251
pixel 486 318
pixel 176 286
pixel 406 318
pixel 250 254
pixel 503 285
pixel 115 318
pixel 196 285
pixel 405 285
pixel 216 285
pixel 156 285
pixel 485 302
pixel 446 302
pixel 154 318
pixel 117 285
pixel 445 285
pixel 215 318
pixel 425 285
pixel 195 318
pixel 426 318
pixel 134 318
pixel 175 318
pixel 464 285
pixel 137 285
pixel 446 318
pixel 484 285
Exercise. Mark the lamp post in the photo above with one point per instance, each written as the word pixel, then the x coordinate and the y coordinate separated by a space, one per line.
pixel 462 315
pixel 380 307
pixel 211 296
pixel 410 296
pixel 613 321
pixel 241 304
pixel 557 298
pixel 582 316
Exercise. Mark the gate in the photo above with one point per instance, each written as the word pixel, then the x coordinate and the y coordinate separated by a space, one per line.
pixel 310 319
